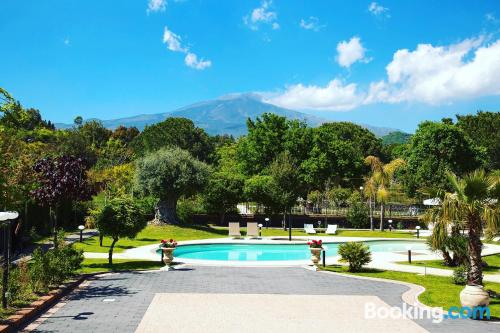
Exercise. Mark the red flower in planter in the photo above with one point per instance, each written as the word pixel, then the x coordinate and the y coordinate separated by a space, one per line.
pixel 315 244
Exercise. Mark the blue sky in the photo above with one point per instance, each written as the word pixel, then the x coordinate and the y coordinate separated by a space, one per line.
pixel 385 63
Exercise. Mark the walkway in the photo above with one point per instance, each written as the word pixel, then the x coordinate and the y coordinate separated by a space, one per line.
pixel 232 299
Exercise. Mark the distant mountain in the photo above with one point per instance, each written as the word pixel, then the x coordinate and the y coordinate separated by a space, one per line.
pixel 396 137
pixel 225 115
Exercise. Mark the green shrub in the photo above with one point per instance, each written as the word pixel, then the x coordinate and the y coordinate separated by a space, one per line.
pixel 460 275
pixel 356 254
pixel 186 208
pixel 19 290
pixel 54 266
pixel 400 226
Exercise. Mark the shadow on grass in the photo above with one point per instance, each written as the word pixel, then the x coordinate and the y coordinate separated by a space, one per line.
pixel 206 228
pixel 122 266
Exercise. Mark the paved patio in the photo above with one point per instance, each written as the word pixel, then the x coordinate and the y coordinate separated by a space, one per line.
pixel 120 302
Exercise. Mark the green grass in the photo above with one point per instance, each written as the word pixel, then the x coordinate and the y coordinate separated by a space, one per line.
pixel 439 290
pixel 493 262
pixel 153 234
pixel 101 265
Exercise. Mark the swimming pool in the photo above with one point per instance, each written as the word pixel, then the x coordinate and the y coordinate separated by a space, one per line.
pixel 279 252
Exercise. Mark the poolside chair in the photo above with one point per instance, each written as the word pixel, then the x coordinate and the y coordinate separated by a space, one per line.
pixel 252 230
pixel 234 229
pixel 332 229
pixel 309 229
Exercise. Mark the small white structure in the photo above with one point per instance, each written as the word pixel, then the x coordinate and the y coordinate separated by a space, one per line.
pixel 309 229
pixel 432 202
pixel 332 229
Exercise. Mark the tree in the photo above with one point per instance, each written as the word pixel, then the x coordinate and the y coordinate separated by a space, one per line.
pixel 269 136
pixel 483 129
pixel 435 148
pixel 382 177
pixel 60 179
pixel 125 134
pixel 357 214
pixel 223 192
pixel 332 159
pixel 175 132
pixel 472 201
pixel 168 174
pixel 119 218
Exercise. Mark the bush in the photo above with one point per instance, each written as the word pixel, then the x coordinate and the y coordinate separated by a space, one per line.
pixel 54 266
pixel 357 215
pixel 460 275
pixel 356 254
pixel 19 284
pixel 186 208
pixel 400 226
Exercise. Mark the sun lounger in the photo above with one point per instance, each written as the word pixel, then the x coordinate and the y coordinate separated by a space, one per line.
pixel 252 229
pixel 332 229
pixel 309 229
pixel 234 229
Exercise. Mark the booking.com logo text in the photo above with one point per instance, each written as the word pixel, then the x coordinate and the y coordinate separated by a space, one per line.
pixel 436 314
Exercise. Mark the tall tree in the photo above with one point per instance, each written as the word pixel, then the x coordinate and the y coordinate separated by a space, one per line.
pixel 332 159
pixel 435 148
pixel 168 174
pixel 60 179
pixel 382 178
pixel 175 132
pixel 483 129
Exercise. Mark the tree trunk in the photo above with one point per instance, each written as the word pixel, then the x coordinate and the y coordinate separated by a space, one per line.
pixel 222 215
pixel 53 217
pixel 448 261
pixel 284 221
pixel 381 216
pixel 475 273
pixel 110 254
pixel 101 237
pixel 372 227
pixel 166 211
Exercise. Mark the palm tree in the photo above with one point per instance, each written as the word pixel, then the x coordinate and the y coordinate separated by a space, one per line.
pixel 370 190
pixel 381 179
pixel 474 205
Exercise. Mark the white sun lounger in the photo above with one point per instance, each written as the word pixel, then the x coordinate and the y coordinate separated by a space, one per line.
pixel 309 229
pixel 252 230
pixel 234 229
pixel 332 229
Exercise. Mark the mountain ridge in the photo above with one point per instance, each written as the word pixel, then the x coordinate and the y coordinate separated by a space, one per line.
pixel 224 115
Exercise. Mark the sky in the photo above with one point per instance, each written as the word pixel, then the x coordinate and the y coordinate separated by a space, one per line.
pixel 383 63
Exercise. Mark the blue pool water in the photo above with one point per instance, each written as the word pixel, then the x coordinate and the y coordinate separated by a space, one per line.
pixel 278 252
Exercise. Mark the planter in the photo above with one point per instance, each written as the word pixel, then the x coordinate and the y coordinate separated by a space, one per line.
pixel 473 296
pixel 168 255
pixel 315 254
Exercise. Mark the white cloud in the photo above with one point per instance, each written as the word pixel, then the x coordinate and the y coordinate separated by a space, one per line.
pixel 174 43
pixel 335 96
pixel 429 74
pixel 262 15
pixel 310 24
pixel 442 74
pixel 378 10
pixel 156 6
pixel 192 61
pixel 348 52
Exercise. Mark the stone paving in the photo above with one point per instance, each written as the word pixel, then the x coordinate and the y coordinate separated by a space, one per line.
pixel 118 302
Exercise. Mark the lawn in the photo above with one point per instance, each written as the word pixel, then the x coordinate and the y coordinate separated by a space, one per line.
pixel 439 291
pixel 153 234
pixel 493 262
pixel 101 265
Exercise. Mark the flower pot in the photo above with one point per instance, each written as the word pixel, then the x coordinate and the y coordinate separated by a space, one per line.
pixel 168 255
pixel 473 296
pixel 315 254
